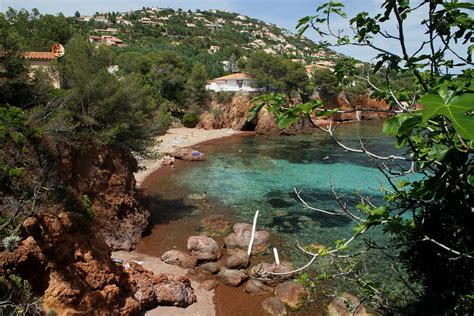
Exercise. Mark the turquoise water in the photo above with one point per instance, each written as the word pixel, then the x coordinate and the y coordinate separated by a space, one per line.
pixel 245 174
pixel 259 173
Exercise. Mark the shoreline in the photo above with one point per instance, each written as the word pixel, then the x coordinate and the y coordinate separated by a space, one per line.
pixel 177 137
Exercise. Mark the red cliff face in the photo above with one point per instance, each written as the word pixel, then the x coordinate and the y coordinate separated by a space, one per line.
pixel 233 113
pixel 90 206
pixel 105 176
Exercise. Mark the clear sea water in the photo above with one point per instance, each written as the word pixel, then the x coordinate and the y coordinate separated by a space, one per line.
pixel 245 174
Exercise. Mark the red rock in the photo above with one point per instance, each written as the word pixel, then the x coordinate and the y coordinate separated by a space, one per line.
pixel 204 248
pixel 292 294
pixel 274 306
pixel 179 258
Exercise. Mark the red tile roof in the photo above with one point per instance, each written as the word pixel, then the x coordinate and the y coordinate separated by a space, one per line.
pixel 40 55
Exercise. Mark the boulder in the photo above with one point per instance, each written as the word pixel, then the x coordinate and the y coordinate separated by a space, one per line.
pixel 208 285
pixel 346 305
pixel 163 289
pixel 274 306
pixel 214 225
pixel 256 287
pixel 232 277
pixel 175 291
pixel 263 271
pixel 204 248
pixel 187 153
pixel 292 294
pixel 210 267
pixel 238 260
pixel 240 238
pixel 179 258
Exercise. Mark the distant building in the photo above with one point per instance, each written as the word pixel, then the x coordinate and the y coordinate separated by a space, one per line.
pixel 234 82
pixel 110 30
pixel 213 49
pixel 106 40
pixel 43 61
pixel 214 26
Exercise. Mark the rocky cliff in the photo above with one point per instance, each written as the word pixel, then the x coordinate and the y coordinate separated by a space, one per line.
pixel 232 111
pixel 84 204
pixel 105 177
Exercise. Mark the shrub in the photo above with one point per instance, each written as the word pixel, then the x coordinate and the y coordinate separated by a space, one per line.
pixel 190 120
pixel 224 97
pixel 11 242
pixel 217 113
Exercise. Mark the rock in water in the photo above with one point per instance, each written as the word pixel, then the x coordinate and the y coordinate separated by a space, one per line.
pixel 238 260
pixel 256 287
pixel 263 271
pixel 232 277
pixel 187 153
pixel 240 238
pixel 210 267
pixel 274 306
pixel 179 258
pixel 204 248
pixel 346 305
pixel 215 224
pixel 292 294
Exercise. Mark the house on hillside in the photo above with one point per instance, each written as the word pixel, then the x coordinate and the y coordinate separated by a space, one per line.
pixel 233 82
pixel 106 40
pixel 42 61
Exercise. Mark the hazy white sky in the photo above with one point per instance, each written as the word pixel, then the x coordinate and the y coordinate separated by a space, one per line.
pixel 284 13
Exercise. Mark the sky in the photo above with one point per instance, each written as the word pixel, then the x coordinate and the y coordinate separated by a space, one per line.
pixel 284 13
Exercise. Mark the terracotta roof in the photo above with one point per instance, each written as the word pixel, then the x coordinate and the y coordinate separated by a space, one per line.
pixel 40 55
pixel 236 76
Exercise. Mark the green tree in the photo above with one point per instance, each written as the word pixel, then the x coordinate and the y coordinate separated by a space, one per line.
pixel 102 107
pixel 195 88
pixel 326 82
pixel 428 215
pixel 276 73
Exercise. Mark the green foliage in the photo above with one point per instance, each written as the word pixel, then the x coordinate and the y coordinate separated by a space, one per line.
pixel 195 88
pixel 190 120
pixel 102 107
pixel 276 74
pixel 224 97
pixel 326 83
pixel 17 297
pixel 428 215
pixel 275 104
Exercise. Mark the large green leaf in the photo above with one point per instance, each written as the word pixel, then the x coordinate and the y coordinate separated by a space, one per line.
pixel 393 124
pixel 459 110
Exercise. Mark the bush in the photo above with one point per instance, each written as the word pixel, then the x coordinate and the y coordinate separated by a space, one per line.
pixel 224 97
pixel 190 120
pixel 163 121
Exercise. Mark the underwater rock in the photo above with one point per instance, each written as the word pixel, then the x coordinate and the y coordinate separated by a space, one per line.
pixel 215 224
pixel 232 277
pixel 345 305
pixel 274 306
pixel 256 287
pixel 292 294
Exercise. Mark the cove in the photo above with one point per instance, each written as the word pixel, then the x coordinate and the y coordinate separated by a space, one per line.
pixel 245 174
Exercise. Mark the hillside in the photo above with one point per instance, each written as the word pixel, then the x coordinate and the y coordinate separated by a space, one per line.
pixel 217 33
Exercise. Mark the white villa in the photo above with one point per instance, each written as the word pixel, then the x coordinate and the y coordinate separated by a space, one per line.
pixel 233 82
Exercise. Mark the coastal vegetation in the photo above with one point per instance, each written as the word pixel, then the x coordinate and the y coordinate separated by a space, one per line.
pixel 73 150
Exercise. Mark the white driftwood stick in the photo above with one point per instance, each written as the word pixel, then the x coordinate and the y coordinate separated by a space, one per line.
pixel 252 236
pixel 277 258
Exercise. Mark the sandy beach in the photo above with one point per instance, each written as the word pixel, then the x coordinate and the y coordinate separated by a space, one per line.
pixel 177 138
